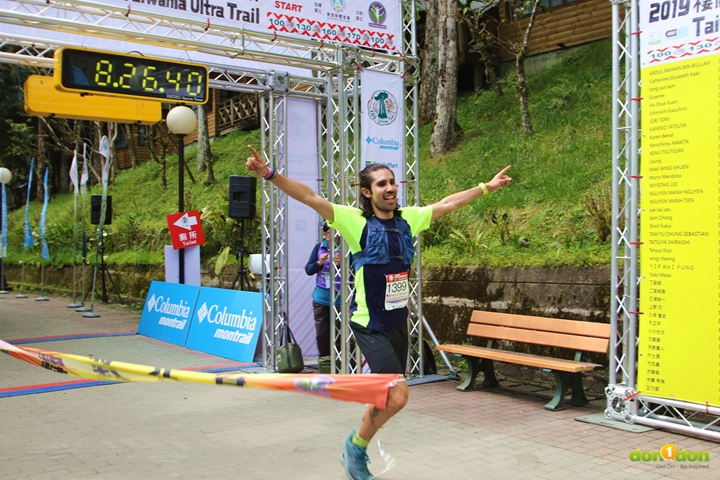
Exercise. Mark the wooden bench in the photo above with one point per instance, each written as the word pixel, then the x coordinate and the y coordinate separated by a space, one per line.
pixel 574 335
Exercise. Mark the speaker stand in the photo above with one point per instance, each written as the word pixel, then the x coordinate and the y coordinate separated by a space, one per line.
pixel 104 278
pixel 242 275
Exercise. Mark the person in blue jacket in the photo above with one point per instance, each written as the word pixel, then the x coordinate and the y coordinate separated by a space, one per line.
pixel 319 265
pixel 380 236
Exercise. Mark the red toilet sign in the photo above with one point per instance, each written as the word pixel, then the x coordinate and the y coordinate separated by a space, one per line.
pixel 185 229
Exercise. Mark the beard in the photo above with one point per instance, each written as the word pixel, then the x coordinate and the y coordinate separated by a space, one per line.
pixel 384 207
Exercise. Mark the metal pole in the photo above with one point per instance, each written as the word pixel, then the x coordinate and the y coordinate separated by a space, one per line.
pixel 181 203
pixel 3 283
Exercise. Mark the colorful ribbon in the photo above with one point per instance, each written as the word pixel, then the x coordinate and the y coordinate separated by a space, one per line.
pixel 372 389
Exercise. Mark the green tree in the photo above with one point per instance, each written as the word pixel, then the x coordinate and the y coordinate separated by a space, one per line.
pixel 17 130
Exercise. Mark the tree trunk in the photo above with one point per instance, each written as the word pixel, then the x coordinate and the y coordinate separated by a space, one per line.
pixel 62 175
pixel 158 140
pixel 204 153
pixel 481 29
pixel 521 84
pixel 446 130
pixel 130 139
pixel 427 95
pixel 41 161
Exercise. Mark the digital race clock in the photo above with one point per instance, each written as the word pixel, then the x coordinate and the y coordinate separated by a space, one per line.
pixel 93 71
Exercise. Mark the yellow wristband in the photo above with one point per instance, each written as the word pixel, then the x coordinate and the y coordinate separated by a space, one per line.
pixel 483 188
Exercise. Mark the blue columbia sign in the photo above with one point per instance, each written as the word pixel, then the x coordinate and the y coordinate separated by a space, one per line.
pixel 226 323
pixel 168 311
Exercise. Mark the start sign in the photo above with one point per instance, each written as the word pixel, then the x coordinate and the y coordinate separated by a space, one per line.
pixel 185 229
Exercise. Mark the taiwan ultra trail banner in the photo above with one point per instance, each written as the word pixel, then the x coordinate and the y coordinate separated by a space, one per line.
pixel 371 24
pixel 372 389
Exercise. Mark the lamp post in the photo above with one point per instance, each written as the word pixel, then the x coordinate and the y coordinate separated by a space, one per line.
pixel 181 121
pixel 5 177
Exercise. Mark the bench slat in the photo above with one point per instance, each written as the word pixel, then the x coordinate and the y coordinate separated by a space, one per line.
pixel 520 358
pixel 572 327
pixel 573 342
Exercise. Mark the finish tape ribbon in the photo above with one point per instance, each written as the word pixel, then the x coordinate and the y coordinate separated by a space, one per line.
pixel 372 389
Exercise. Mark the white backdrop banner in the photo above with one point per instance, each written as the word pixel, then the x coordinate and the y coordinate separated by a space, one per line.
pixel 302 165
pixel 365 23
pixel 62 38
pixel 383 122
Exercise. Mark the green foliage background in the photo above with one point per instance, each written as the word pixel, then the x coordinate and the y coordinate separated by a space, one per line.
pixel 555 212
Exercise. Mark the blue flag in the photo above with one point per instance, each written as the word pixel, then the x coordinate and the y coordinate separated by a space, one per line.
pixel 29 241
pixel 3 227
pixel 45 252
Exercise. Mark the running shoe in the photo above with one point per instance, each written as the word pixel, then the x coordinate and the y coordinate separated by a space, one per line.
pixel 355 460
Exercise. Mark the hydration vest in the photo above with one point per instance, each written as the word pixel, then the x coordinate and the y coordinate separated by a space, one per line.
pixel 377 246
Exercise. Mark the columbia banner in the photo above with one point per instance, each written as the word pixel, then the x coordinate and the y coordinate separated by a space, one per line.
pixel 680 201
pixel 370 389
pixel 167 312
pixel 383 122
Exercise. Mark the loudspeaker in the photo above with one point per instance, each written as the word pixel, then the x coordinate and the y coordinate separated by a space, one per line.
pixel 242 197
pixel 95 204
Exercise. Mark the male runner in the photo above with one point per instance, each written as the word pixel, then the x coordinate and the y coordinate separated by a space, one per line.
pixel 380 238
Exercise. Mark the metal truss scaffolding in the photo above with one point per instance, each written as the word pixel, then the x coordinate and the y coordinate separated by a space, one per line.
pixel 625 402
pixel 333 82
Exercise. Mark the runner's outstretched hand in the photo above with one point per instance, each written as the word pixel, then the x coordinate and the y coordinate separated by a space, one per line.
pixel 256 164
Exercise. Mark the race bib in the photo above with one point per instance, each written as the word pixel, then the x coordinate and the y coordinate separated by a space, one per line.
pixel 397 290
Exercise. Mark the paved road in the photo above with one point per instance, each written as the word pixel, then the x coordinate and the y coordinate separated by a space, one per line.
pixel 188 431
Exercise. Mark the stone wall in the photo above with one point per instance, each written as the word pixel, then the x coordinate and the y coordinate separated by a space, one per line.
pixel 450 295
pixel 132 282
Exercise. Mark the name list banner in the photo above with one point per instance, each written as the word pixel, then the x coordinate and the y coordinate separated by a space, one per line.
pixel 680 221
pixel 226 323
pixel 167 312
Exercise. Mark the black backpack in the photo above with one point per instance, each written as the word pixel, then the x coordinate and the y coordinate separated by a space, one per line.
pixel 429 366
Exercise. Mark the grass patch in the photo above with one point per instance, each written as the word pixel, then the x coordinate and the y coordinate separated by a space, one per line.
pixel 556 211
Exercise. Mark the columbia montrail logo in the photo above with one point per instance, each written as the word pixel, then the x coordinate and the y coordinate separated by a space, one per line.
pixel 384 144
pixel 151 303
pixel 203 312
pixel 378 15
pixel 382 107
pixel 213 314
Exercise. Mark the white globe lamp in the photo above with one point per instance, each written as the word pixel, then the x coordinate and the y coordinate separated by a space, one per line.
pixel 5 175
pixel 181 120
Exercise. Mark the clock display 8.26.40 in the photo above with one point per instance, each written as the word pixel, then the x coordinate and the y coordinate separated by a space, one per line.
pixel 80 70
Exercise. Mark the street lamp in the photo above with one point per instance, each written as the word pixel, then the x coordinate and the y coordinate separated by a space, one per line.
pixel 5 177
pixel 181 121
